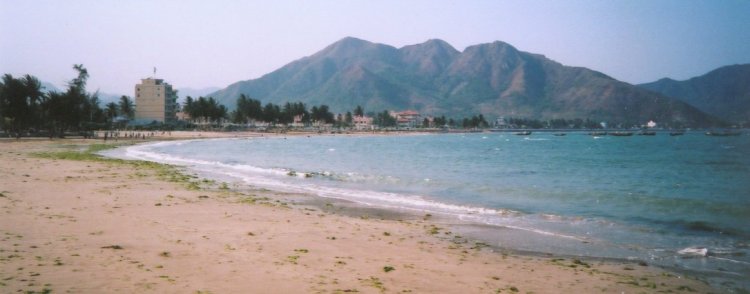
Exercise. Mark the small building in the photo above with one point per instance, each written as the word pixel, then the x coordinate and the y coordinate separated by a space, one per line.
pixel 155 100
pixel 501 123
pixel 297 121
pixel 183 116
pixel 407 118
pixel 362 122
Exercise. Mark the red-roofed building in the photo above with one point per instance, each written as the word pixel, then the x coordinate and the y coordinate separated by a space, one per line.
pixel 407 118
pixel 362 122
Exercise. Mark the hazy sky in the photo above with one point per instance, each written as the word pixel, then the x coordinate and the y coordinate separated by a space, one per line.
pixel 215 43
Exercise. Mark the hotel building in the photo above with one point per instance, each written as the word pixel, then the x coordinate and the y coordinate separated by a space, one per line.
pixel 155 100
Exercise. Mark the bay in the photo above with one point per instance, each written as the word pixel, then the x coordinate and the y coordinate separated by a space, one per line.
pixel 659 199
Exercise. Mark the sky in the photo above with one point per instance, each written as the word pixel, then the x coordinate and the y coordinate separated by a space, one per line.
pixel 197 44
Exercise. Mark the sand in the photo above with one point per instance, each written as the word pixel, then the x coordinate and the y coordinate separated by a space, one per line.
pixel 73 226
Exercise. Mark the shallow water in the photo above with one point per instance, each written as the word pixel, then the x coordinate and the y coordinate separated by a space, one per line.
pixel 642 197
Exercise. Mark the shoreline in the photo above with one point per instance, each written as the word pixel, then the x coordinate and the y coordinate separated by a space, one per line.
pixel 420 261
pixel 456 231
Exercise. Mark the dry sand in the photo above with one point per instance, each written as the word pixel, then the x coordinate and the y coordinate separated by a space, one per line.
pixel 74 226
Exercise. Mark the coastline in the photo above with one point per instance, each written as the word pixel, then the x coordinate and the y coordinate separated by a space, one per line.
pixel 83 226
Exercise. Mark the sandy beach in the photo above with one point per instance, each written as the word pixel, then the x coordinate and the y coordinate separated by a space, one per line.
pixel 105 226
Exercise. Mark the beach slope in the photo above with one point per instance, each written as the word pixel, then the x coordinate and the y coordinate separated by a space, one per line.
pixel 92 226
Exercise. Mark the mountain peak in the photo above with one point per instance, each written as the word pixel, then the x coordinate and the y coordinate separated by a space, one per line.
pixel 743 69
pixel 431 46
pixel 429 58
pixel 494 79
pixel 497 50
pixel 349 47
pixel 493 45
pixel 437 43
pixel 665 80
pixel 723 92
pixel 348 43
pixel 351 40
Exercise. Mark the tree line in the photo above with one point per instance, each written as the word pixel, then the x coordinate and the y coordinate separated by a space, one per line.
pixel 553 123
pixel 26 108
pixel 249 110
pixel 205 109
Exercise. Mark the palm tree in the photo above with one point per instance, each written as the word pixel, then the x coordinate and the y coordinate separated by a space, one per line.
pixel 111 111
pixel 11 95
pixel 19 102
pixel 33 91
pixel 126 107
pixel 80 81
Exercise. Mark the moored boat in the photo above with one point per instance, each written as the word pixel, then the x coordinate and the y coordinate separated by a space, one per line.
pixel 525 133
pixel 559 134
pixel 647 133
pixel 621 134
pixel 676 133
pixel 723 133
pixel 598 133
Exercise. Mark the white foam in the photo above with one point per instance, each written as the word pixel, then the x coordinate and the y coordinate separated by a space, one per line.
pixel 697 251
pixel 278 179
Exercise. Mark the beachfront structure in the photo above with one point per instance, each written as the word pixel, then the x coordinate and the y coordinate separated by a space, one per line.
pixel 297 121
pixel 407 119
pixel 362 122
pixel 155 100
pixel 501 123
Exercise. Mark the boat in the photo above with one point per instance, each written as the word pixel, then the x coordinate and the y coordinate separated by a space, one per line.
pixel 647 133
pixel 676 133
pixel 621 134
pixel 525 133
pixel 559 134
pixel 598 133
pixel 723 133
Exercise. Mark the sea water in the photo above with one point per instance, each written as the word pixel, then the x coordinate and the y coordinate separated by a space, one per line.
pixel 676 201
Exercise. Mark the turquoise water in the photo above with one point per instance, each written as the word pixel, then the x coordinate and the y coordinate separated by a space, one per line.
pixel 651 198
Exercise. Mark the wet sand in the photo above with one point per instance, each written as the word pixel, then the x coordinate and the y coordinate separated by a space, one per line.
pixel 82 226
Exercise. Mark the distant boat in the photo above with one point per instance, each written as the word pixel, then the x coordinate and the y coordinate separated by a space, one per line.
pixel 621 134
pixel 647 133
pixel 559 134
pixel 676 133
pixel 598 133
pixel 526 133
pixel 723 133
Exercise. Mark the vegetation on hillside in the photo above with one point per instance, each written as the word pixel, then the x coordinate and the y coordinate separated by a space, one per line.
pixel 493 79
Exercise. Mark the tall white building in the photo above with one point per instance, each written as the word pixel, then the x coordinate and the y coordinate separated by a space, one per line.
pixel 155 100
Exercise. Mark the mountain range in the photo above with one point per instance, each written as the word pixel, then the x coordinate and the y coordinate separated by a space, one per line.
pixel 184 92
pixel 723 92
pixel 104 98
pixel 494 79
pixel 49 87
